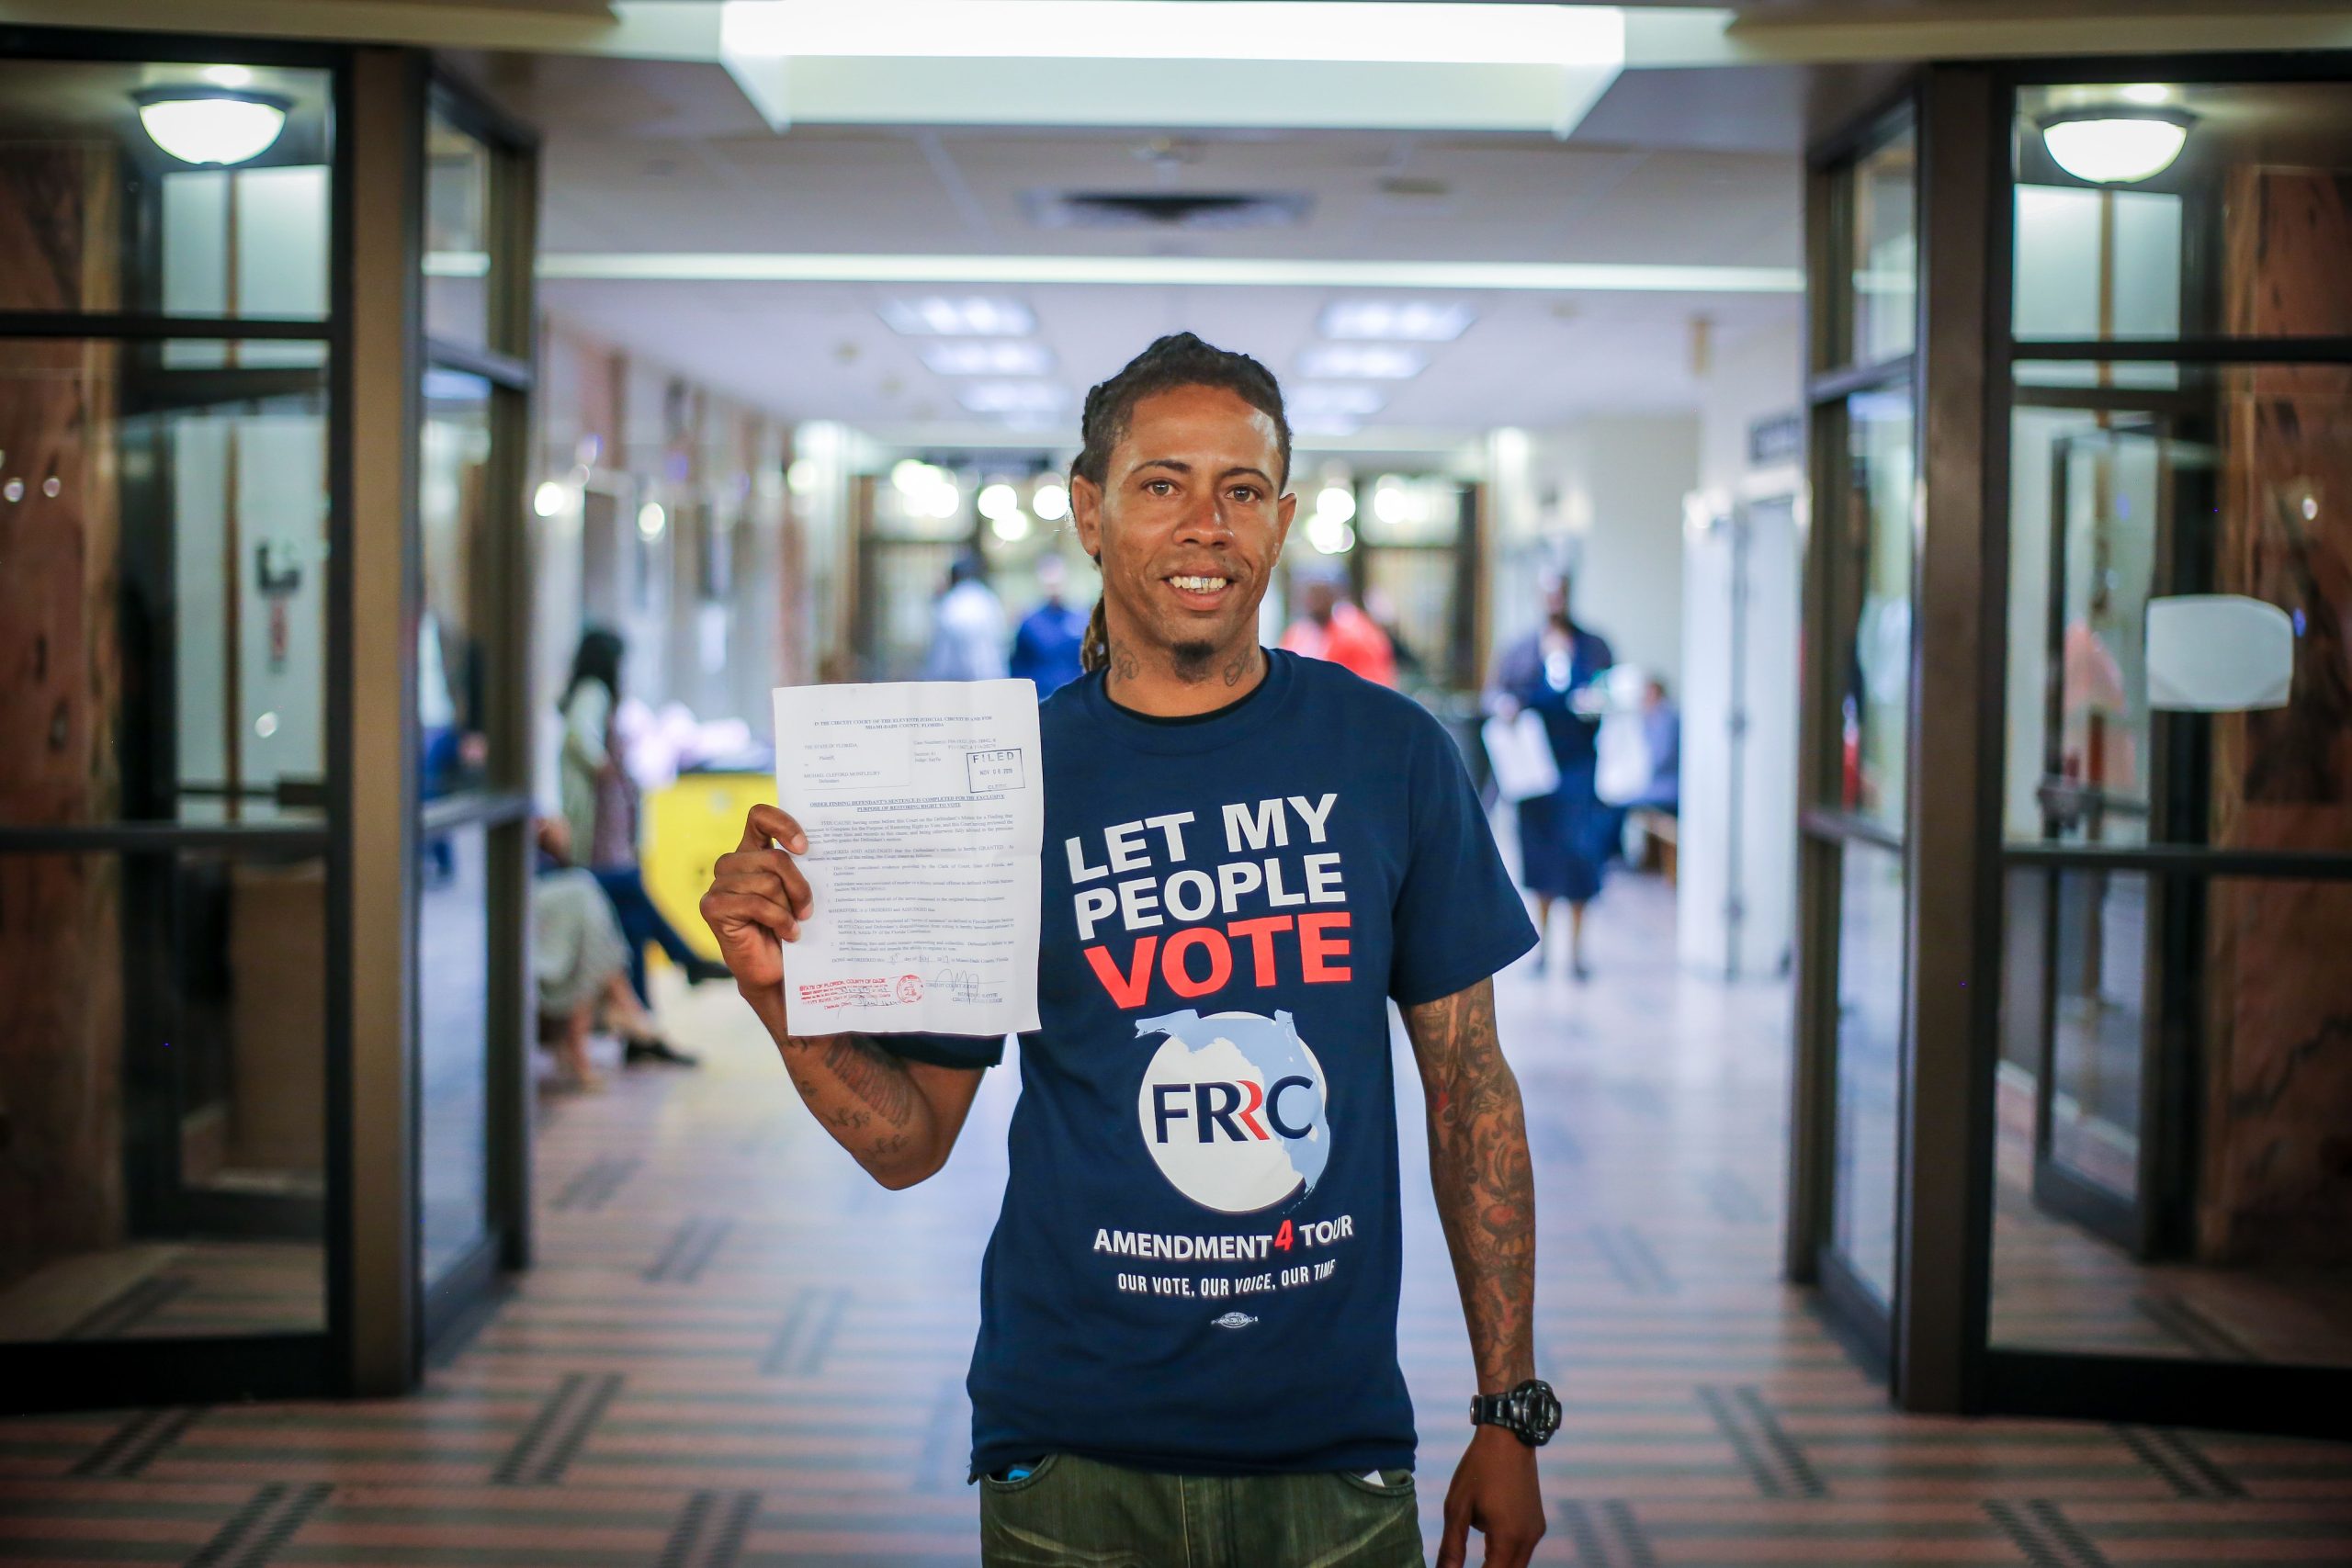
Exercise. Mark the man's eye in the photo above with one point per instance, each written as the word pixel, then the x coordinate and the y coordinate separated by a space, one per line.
pixel 1244 492
pixel 1160 487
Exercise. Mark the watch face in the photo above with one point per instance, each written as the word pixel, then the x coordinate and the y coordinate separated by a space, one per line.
pixel 1539 1411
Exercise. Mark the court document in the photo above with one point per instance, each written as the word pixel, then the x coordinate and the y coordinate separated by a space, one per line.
pixel 924 807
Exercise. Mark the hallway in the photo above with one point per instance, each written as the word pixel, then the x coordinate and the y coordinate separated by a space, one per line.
pixel 736 1350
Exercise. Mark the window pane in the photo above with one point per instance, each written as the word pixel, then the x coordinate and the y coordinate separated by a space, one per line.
pixel 453 502
pixel 1885 242
pixel 164 534
pixel 2228 1000
pixel 453 1044
pixel 97 215
pixel 2180 609
pixel 1874 608
pixel 457 234
pixel 163 1046
pixel 2247 229
pixel 1870 1043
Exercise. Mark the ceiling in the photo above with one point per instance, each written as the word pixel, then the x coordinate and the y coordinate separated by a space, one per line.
pixel 669 157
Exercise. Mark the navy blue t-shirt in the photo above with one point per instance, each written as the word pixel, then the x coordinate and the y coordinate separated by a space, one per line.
pixel 1197 1266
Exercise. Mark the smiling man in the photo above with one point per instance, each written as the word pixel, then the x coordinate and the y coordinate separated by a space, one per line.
pixel 1187 1355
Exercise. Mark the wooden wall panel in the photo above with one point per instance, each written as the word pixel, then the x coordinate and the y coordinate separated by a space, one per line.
pixel 2276 1180
pixel 61 685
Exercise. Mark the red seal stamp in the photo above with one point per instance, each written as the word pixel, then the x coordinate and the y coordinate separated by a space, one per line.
pixel 910 987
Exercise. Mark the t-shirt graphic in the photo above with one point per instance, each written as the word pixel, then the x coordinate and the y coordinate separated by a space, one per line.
pixel 1250 1083
pixel 1195 1269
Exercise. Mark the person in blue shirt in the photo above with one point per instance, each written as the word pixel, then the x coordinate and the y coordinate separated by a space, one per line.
pixel 1046 647
pixel 1187 1354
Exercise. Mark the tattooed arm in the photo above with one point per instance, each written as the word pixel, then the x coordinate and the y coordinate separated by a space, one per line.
pixel 897 1118
pixel 1485 1198
pixel 1486 1193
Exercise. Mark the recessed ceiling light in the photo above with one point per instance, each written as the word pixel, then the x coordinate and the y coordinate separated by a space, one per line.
pixel 988 359
pixel 1015 398
pixel 938 315
pixel 1365 361
pixel 1396 320
pixel 1322 400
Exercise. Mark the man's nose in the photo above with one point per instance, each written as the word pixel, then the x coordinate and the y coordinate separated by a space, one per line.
pixel 1206 521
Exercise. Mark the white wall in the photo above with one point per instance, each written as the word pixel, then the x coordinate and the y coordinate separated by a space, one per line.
pixel 1742 571
pixel 1603 498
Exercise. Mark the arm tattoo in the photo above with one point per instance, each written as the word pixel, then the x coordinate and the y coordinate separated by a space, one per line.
pixel 869 1072
pixel 1485 1188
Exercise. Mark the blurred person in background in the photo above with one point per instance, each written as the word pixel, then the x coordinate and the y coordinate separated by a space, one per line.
pixel 580 967
pixel 1662 729
pixel 599 802
pixel 1046 648
pixel 968 634
pixel 1334 629
pixel 1564 837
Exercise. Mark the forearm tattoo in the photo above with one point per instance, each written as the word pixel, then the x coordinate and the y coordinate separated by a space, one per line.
pixel 871 1076
pixel 1485 1188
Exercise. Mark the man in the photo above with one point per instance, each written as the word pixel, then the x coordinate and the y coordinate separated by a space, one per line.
pixel 966 627
pixel 1187 1354
pixel 1046 647
pixel 1334 629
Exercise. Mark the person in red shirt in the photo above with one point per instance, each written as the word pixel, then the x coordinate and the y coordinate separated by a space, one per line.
pixel 1334 629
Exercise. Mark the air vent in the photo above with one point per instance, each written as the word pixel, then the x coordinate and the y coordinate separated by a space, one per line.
pixel 1164 209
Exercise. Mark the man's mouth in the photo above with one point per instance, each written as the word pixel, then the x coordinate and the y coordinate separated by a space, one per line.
pixel 1198 590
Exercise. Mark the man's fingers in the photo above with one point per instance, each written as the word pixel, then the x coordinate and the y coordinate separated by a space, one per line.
pixel 1508 1550
pixel 766 870
pixel 765 824
pixel 1456 1543
pixel 757 907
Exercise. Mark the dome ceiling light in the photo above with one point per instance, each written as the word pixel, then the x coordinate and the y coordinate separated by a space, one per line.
pixel 200 124
pixel 2116 144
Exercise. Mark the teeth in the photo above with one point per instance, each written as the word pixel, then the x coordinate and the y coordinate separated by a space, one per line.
pixel 1198 584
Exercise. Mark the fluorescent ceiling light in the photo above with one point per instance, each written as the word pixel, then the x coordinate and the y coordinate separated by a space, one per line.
pixel 939 316
pixel 988 359
pixel 1355 31
pixel 1319 400
pixel 211 125
pixel 1015 398
pixel 1368 361
pixel 1396 320
pixel 1365 64
pixel 1173 272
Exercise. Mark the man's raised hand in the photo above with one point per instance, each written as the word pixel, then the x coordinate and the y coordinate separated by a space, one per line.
pixel 758 898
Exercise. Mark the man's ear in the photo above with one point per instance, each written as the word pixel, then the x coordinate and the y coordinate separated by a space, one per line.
pixel 1285 510
pixel 1086 514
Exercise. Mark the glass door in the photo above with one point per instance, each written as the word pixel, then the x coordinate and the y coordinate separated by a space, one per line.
pixel 1856 725
pixel 170 832
pixel 2170 1228
pixel 471 1049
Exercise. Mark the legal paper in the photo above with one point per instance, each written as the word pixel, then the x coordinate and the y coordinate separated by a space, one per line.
pixel 924 805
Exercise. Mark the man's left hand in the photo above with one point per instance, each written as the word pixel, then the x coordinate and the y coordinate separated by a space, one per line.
pixel 1495 1493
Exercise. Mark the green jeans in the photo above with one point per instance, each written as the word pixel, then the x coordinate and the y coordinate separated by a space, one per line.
pixel 1076 1513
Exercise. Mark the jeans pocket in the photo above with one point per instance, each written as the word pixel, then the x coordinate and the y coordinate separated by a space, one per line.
pixel 1037 1472
pixel 1392 1483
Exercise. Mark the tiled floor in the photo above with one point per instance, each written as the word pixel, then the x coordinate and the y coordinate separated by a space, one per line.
pixel 738 1351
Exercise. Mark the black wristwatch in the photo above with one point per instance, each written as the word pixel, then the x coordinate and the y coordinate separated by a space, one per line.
pixel 1529 1412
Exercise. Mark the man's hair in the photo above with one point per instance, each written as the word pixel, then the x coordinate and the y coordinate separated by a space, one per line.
pixel 1180 359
